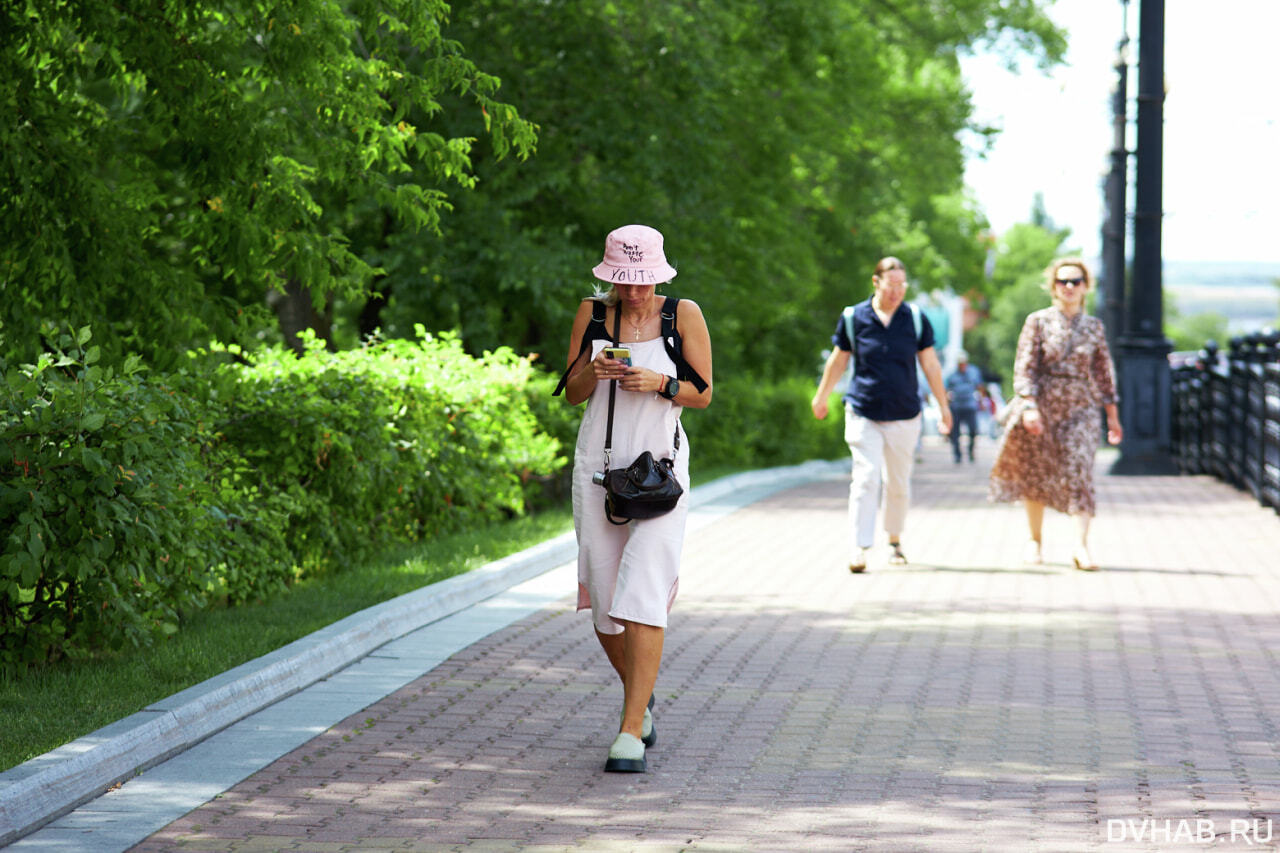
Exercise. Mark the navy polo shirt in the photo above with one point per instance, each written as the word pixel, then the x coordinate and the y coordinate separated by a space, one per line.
pixel 884 387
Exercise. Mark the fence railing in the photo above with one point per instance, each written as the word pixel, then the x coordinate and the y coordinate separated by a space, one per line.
pixel 1226 414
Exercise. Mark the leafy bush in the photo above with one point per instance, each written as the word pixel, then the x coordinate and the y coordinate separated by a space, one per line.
pixel 103 518
pixel 392 442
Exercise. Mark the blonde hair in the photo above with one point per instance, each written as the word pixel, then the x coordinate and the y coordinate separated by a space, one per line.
pixel 1051 275
pixel 610 297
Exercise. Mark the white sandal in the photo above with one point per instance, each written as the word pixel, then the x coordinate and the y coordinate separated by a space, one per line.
pixel 1083 559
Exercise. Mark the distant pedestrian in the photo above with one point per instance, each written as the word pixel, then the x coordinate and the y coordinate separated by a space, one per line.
pixel 1062 374
pixel 987 408
pixel 962 393
pixel 886 338
pixel 628 573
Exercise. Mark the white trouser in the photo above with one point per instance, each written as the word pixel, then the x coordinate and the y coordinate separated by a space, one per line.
pixel 876 445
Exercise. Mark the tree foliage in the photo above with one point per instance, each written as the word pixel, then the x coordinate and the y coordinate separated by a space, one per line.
pixel 167 164
pixel 780 146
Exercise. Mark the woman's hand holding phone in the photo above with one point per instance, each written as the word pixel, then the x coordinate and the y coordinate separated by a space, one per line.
pixel 621 354
pixel 607 367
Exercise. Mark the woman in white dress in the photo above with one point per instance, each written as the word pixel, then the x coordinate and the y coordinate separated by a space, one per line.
pixel 628 574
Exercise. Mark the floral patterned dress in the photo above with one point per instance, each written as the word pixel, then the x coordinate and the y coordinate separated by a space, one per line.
pixel 1063 365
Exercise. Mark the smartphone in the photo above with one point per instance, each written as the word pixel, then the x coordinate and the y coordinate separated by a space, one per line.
pixel 620 353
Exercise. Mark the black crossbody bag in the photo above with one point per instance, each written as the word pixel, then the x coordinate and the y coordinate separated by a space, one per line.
pixel 647 488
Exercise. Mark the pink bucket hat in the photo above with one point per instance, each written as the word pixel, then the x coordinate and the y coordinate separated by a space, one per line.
pixel 633 255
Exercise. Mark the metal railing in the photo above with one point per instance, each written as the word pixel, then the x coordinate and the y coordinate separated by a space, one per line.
pixel 1226 414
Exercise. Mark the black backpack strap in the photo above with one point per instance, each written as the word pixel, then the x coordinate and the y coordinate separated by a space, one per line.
pixel 672 342
pixel 595 331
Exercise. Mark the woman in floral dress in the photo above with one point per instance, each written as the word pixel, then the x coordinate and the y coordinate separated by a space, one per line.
pixel 1062 375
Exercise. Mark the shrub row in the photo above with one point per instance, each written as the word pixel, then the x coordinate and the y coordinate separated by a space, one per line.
pixel 129 499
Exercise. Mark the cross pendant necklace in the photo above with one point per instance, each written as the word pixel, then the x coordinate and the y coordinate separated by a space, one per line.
pixel 636 328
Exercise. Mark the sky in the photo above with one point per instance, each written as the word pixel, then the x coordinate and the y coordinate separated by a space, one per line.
pixel 1221 131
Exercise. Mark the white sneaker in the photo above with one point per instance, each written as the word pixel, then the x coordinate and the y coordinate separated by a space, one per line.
pixel 626 755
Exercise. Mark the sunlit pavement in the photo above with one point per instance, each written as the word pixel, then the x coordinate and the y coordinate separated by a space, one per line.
pixel 961 702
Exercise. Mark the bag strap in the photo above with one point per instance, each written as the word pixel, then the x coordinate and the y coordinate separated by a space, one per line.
pixel 613 392
pixel 608 432
pixel 673 344
pixel 594 331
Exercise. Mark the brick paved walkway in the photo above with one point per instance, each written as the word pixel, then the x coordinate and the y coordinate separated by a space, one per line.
pixel 962 702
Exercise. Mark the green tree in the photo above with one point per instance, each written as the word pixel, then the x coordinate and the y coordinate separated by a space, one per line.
pixel 166 165
pixel 781 147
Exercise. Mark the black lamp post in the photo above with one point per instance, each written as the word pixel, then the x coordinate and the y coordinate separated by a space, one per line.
pixel 1143 350
pixel 1115 227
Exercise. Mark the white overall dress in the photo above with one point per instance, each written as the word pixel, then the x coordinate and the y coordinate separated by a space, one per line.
pixel 628 572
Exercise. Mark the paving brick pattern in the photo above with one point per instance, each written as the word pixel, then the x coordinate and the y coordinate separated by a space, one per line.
pixel 962 702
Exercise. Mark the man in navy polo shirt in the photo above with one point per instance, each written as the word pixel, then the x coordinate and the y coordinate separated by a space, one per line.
pixel 882 404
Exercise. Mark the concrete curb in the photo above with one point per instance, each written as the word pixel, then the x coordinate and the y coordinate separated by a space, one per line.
pixel 48 786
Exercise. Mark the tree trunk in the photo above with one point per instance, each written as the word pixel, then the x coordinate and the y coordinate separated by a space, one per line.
pixel 370 319
pixel 296 312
